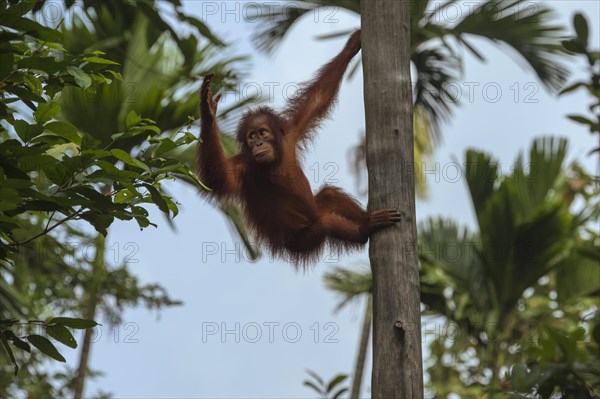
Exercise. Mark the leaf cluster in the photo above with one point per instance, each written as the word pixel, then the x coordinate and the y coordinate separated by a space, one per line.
pixel 54 172
pixel 57 328
pixel 579 45
pixel 333 389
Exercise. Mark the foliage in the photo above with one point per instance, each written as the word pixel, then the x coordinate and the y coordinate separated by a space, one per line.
pixel 348 283
pixel 58 175
pixel 580 45
pixel 436 42
pixel 162 88
pixel 326 390
pixel 565 363
pixel 48 165
pixel 497 288
pixel 55 327
pixel 512 306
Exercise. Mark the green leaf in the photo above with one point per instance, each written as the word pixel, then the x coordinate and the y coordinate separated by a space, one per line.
pixel 45 64
pixel 30 163
pixel 15 183
pixel 578 275
pixel 187 138
pixel 336 381
pixel 19 343
pixel 33 83
pixel 339 393
pixel 115 75
pixel 315 388
pixel 101 221
pixel 45 346
pixel 26 131
pixel 89 192
pixel 202 28
pixel 596 333
pixel 137 130
pixel 141 216
pixel 56 172
pixel 481 173
pixel 32 28
pixel 128 159
pixel 157 198
pixel 578 334
pixel 572 87
pixel 81 78
pixel 124 196
pixel 581 28
pixel 152 128
pixel 53 140
pixel 45 112
pixel 9 199
pixel 89 142
pixel 79 324
pixel 166 145
pixel 18 9
pixel 316 377
pixel 127 134
pixel 519 375
pixel 9 352
pixel 583 120
pixel 62 335
pixel 64 129
pixel 45 206
pixel 98 60
pixel 25 94
pixel 6 64
pixel 132 119
pixel 574 46
pixel 113 173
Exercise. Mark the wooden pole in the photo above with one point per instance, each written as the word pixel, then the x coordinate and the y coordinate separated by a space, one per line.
pixel 397 359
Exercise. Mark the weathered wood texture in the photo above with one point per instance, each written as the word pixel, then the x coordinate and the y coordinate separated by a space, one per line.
pixel 397 359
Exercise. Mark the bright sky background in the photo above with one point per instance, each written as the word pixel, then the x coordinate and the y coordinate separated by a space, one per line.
pixel 172 356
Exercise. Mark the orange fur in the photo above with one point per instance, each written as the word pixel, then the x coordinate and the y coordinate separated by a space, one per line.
pixel 276 197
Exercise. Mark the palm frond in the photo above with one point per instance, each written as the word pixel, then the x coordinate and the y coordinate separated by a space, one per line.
pixel 522 28
pixel 579 274
pixel 277 19
pixel 435 73
pixel 513 24
pixel 350 284
pixel 281 18
pixel 481 174
pixel 452 252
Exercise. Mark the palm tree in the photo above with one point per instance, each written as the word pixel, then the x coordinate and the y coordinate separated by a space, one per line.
pixel 526 230
pixel 513 24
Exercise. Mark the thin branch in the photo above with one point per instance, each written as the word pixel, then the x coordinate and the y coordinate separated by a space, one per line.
pixel 47 230
pixel 49 220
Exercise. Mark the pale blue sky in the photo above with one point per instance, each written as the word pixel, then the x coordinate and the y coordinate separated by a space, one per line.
pixel 173 356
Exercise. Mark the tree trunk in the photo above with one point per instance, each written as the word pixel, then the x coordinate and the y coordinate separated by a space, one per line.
pixel 397 363
pixel 362 349
pixel 97 278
